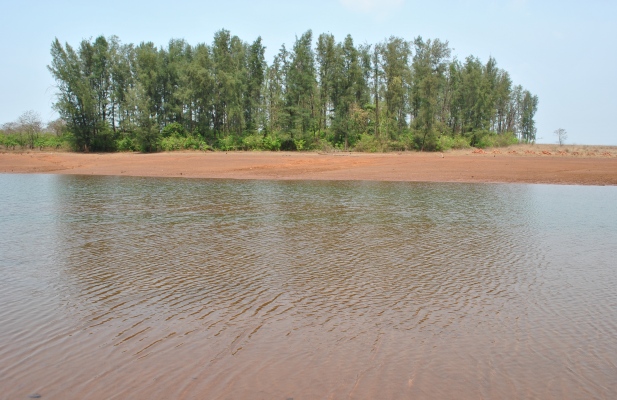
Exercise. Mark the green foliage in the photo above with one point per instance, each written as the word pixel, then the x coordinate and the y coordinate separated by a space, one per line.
pixel 260 142
pixel 174 129
pixel 271 143
pixel 446 142
pixel 227 143
pixel 299 143
pixel 369 144
pixel 147 138
pixel 528 125
pixel 478 137
pixel 253 142
pixel 126 144
pixel 288 144
pixel 301 85
pixel 50 141
pixel 172 143
pixel 321 144
pixel 12 141
pixel 393 95
pixel 406 141
pixel 42 141
pixel 103 141
pixel 83 81
pixel 490 139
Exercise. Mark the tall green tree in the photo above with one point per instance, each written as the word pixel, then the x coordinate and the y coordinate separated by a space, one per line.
pixel 351 90
pixel 301 84
pixel 529 109
pixel 326 57
pixel 222 93
pixel 230 75
pixel 77 101
pixel 275 89
pixel 430 64
pixel 254 86
pixel 201 87
pixel 395 55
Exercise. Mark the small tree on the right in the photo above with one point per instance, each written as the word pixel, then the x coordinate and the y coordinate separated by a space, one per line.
pixel 562 135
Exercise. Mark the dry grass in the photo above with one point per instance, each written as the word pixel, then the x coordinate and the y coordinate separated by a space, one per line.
pixel 571 150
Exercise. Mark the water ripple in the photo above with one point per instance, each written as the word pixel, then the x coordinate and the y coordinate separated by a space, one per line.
pixel 283 289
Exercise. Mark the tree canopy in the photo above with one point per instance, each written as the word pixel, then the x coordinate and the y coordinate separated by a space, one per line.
pixel 397 94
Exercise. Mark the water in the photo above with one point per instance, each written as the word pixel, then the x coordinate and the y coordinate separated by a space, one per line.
pixel 116 287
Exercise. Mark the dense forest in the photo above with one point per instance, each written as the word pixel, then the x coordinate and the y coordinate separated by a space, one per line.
pixel 319 94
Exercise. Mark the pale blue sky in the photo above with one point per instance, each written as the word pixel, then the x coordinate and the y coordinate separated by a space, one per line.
pixel 563 51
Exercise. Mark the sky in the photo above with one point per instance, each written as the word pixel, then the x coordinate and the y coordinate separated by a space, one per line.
pixel 564 51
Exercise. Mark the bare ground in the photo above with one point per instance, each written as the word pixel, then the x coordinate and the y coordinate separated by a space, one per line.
pixel 579 165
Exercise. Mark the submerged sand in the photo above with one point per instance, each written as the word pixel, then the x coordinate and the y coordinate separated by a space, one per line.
pixel 521 164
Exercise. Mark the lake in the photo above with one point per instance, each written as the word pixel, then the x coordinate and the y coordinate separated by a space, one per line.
pixel 118 287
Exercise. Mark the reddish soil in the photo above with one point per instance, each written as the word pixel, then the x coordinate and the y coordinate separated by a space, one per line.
pixel 503 165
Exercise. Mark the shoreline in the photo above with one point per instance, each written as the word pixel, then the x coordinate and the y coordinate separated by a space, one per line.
pixel 518 164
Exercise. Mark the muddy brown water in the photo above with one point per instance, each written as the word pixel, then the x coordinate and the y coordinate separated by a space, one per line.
pixel 117 287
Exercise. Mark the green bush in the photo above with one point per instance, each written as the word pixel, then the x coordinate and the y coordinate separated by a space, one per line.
pixel 445 143
pixel 288 144
pixel 148 137
pixel 427 141
pixel 322 144
pixel 299 144
pixel 126 144
pixel 507 139
pixel 368 144
pixel 9 141
pixel 227 143
pixel 477 137
pixel 49 141
pixel 172 143
pixel 173 129
pixel 405 142
pixel 253 142
pixel 13 140
pixel 271 143
pixel 492 139
pixel 103 141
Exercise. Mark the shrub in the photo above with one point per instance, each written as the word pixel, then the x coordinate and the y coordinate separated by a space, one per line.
pixel 103 141
pixel 227 143
pixel 492 139
pixel 288 145
pixel 299 144
pixel 271 143
pixel 405 142
pixel 126 144
pixel 253 142
pixel 10 141
pixel 445 143
pixel 507 139
pixel 148 137
pixel 172 143
pixel 477 138
pixel 173 129
pixel 322 145
pixel 368 144
pixel 49 141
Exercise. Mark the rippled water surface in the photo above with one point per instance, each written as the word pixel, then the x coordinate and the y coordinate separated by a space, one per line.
pixel 160 288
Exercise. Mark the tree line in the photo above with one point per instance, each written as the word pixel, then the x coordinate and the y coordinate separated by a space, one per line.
pixel 321 93
pixel 29 132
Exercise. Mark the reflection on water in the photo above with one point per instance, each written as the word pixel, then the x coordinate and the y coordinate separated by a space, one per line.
pixel 131 287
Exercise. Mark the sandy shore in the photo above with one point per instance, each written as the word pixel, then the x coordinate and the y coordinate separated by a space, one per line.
pixel 518 164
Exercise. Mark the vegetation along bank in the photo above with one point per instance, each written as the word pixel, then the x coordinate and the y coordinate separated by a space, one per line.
pixel 320 94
